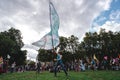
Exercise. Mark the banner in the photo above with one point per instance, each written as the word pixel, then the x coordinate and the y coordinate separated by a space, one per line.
pixel 50 40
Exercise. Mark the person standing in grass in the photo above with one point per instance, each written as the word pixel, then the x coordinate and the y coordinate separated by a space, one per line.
pixel 38 66
pixel 1 64
pixel 13 67
pixel 59 62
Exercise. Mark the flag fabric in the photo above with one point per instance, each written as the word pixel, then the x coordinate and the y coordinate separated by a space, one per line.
pixel 95 58
pixel 105 57
pixel 51 39
pixel 1 60
pixel 119 56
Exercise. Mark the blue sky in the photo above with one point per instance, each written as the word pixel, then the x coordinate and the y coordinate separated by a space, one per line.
pixel 112 14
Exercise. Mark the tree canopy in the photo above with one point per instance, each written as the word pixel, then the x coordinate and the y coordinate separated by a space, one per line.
pixel 101 44
pixel 11 44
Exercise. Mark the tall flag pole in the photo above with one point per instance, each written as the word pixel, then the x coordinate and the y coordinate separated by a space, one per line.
pixel 54 22
pixel 50 23
pixel 51 39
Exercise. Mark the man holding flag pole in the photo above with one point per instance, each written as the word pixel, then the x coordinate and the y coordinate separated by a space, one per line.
pixel 59 62
pixel 51 39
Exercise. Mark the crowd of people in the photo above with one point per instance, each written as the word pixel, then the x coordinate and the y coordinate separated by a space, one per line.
pixel 93 64
pixel 80 65
pixel 86 64
pixel 76 65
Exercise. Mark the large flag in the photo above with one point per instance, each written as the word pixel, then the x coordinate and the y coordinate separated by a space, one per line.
pixel 94 57
pixel 1 60
pixel 51 39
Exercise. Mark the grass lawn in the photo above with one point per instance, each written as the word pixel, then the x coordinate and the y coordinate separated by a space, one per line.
pixel 87 75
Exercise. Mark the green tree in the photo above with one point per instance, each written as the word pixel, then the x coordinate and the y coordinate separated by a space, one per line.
pixel 11 44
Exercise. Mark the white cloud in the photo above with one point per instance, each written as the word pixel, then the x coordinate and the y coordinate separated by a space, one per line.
pixel 111 25
pixel 32 16
pixel 32 54
pixel 115 15
pixel 105 4
pixel 108 26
